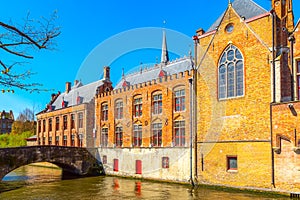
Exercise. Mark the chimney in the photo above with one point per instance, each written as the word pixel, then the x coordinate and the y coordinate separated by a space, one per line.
pixel 68 87
pixel 106 71
pixel 200 31
pixel 76 82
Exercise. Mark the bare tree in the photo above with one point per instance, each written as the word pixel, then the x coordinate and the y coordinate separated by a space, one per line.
pixel 20 41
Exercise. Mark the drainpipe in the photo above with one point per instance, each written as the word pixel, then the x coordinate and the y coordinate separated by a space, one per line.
pixel 191 130
pixel 195 74
pixel 274 96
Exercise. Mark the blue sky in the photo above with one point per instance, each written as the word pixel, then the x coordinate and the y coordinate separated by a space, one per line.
pixel 86 25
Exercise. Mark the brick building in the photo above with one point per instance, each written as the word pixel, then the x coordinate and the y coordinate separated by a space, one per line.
pixel 246 64
pixel 6 121
pixel 143 124
pixel 68 120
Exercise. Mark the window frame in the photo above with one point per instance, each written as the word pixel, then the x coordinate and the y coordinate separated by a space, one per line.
pixel 65 122
pixel 137 135
pixel 181 136
pixel 104 111
pixel 72 121
pixel 137 106
pixel 231 74
pixel 119 136
pixel 165 162
pixel 50 124
pixel 228 161
pixel 156 134
pixel 80 120
pixel 157 104
pixel 119 109
pixel 104 137
pixel 180 105
pixel 57 122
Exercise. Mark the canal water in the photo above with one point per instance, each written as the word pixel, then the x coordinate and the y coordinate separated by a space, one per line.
pixel 33 182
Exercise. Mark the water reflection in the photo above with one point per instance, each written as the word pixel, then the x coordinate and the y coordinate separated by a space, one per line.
pixel 110 188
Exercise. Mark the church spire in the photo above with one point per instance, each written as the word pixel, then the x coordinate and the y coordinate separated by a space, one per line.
pixel 164 50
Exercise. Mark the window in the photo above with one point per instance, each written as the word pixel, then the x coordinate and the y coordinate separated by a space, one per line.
pixel 80 120
pixel 119 109
pixel 50 124
pixel 72 121
pixel 80 141
pixel 49 140
pixel 104 160
pixel 119 137
pixel 165 162
pixel 104 137
pixel 298 78
pixel 157 104
pixel 156 138
pixel 231 73
pixel 180 100
pixel 57 123
pixel 65 121
pixel 231 162
pixel 137 135
pixel 138 103
pixel 179 129
pixel 104 110
pixel 44 125
pixel 73 140
pixel 229 28
pixel 56 140
pixel 65 140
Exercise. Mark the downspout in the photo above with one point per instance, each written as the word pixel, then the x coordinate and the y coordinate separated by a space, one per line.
pixel 191 131
pixel 274 97
pixel 195 74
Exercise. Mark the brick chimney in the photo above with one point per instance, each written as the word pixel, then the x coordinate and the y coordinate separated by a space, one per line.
pixel 68 87
pixel 200 31
pixel 106 71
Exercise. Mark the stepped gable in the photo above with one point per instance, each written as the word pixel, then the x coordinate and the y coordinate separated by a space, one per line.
pixel 85 93
pixel 245 8
pixel 149 74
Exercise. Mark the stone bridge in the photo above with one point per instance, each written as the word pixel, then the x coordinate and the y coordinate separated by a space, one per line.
pixel 73 160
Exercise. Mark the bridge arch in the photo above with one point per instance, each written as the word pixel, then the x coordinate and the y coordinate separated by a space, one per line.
pixel 73 160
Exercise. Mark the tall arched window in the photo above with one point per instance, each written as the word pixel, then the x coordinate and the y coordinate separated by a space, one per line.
pixel 231 73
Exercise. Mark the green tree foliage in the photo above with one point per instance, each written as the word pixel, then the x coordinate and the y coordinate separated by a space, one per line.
pixel 8 140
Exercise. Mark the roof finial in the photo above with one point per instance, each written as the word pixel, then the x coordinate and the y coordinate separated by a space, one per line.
pixel 123 75
pixel 164 50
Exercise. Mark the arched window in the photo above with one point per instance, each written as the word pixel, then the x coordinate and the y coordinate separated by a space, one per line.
pixel 156 136
pixel 231 73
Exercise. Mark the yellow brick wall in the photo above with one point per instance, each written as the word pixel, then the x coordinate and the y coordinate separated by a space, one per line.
pixel 238 126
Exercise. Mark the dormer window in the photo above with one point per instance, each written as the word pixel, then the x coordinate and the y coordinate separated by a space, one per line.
pixel 125 84
pixel 162 73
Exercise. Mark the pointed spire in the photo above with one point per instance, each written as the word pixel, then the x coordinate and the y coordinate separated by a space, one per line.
pixel 123 75
pixel 164 50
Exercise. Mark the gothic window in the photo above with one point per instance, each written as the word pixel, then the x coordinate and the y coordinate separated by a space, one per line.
pixel 119 109
pixel 137 135
pixel 179 133
pixel 156 137
pixel 231 73
pixel 157 103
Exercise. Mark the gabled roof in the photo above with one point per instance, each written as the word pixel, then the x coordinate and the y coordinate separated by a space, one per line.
pixel 149 74
pixel 85 92
pixel 245 8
